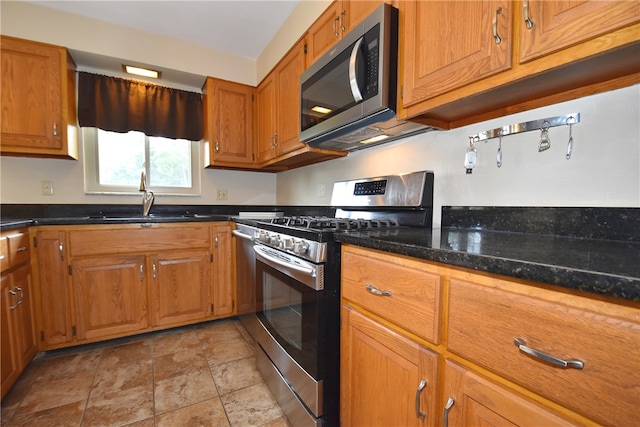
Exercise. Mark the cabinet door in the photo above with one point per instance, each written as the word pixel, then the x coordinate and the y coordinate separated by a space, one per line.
pixel 31 97
pixel 223 278
pixel 110 294
pixel 381 372
pixel 53 297
pixel 449 44
pixel 354 11
pixel 479 402
pixel 180 283
pixel 556 25
pixel 26 346
pixel 324 32
pixel 229 122
pixel 9 369
pixel 288 99
pixel 266 117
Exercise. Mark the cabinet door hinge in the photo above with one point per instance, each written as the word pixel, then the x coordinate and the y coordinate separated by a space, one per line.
pixel 35 242
pixel 73 330
pixel 69 269
pixel 305 49
pixel 211 308
pixel 41 335
pixel 233 304
pixel 401 91
pixel 253 98
pixel 210 257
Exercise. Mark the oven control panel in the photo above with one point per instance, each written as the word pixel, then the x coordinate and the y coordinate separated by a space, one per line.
pixel 370 188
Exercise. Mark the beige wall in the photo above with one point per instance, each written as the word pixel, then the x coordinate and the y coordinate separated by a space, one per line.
pixel 602 172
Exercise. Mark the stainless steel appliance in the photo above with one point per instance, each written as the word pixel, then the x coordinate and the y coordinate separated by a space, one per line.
pixel 348 96
pixel 297 266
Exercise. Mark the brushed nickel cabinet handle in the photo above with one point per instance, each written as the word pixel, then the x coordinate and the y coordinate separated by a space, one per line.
pixel 21 300
pixel 571 363
pixel 525 8
pixel 22 249
pixel 55 129
pixel 141 272
pixel 61 250
pixel 421 387
pixel 496 36
pixel 342 15
pixel 335 27
pixel 217 146
pixel 445 413
pixel 15 299
pixel 153 271
pixel 373 290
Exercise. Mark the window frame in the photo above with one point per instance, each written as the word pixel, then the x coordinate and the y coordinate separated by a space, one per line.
pixel 91 167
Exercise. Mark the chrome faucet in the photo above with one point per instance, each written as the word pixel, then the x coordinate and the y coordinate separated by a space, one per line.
pixel 147 196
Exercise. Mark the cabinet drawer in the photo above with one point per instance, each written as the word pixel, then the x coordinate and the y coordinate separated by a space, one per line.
pixel 484 321
pixel 4 253
pixel 411 297
pixel 112 240
pixel 15 250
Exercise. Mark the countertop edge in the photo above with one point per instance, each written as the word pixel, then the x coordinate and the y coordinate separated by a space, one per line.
pixel 621 287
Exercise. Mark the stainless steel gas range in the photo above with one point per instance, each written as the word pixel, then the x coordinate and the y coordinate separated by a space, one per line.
pixel 296 265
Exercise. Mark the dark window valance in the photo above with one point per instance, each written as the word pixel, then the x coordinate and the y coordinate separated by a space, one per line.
pixel 121 105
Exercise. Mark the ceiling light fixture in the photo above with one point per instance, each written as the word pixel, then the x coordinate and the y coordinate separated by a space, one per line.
pixel 141 71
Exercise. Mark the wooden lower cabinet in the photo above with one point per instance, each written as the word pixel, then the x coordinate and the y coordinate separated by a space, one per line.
pixel 488 361
pixel 471 400
pixel 386 378
pixel 110 295
pixel 53 294
pixel 180 287
pixel 97 282
pixel 18 341
pixel 223 285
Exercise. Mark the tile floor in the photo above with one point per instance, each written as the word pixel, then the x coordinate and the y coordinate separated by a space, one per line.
pixel 201 375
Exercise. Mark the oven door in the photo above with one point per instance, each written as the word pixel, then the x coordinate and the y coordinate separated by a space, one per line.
pixel 289 304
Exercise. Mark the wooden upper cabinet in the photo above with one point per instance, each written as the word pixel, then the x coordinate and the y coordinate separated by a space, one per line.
pixel 324 32
pixel 266 119
pixel 456 74
pixel 288 74
pixel 451 44
pixel 555 25
pixel 337 20
pixel 278 106
pixel 228 115
pixel 38 100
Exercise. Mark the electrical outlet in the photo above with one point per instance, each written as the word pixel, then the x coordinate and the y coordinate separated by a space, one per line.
pixel 47 188
pixel 221 194
pixel 322 191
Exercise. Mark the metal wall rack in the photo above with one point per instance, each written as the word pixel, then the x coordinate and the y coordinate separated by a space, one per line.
pixel 542 125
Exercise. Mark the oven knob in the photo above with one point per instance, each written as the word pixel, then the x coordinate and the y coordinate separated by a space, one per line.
pixel 300 247
pixel 274 240
pixel 287 244
pixel 263 236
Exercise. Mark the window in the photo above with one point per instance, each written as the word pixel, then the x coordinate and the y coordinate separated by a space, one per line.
pixel 114 162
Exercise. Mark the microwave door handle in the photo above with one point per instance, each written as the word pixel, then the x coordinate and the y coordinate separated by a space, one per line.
pixel 353 78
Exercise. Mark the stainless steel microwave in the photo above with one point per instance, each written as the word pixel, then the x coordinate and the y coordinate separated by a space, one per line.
pixel 348 96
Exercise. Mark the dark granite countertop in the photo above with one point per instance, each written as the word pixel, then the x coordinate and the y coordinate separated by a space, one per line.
pixel 596 250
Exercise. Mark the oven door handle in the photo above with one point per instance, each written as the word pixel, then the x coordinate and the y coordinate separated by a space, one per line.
pixel 261 252
pixel 241 235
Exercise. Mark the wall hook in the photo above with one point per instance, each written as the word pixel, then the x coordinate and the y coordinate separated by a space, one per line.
pixel 545 142
pixel 570 121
